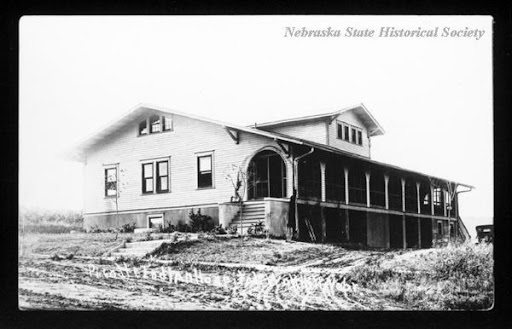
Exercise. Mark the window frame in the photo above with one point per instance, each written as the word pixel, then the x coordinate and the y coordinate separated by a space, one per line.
pixel 199 155
pixel 151 216
pixel 155 177
pixel 106 189
pixel 149 127
pixel 349 133
pixel 159 176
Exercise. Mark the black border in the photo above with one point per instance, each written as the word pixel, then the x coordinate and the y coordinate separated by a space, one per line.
pixel 497 317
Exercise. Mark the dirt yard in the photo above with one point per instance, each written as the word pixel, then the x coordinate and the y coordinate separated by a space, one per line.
pixel 67 271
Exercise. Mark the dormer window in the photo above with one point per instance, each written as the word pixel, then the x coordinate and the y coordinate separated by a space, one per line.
pixel 155 124
pixel 350 133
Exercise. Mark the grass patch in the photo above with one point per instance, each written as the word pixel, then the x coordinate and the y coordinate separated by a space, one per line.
pixel 455 277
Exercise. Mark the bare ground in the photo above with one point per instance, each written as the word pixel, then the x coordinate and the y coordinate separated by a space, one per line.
pixel 207 274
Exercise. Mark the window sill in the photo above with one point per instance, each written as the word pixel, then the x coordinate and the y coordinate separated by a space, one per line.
pixel 156 133
pixel 110 197
pixel 205 188
pixel 155 193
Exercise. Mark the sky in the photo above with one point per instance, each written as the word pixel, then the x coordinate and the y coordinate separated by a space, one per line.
pixel 432 95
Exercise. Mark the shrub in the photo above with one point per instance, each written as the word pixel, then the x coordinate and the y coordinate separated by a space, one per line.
pixel 95 229
pixel 182 227
pixel 232 229
pixel 200 222
pixel 256 229
pixel 127 228
pixel 218 230
pixel 169 228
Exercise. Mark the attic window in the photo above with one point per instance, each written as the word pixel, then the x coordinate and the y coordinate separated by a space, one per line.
pixel 155 124
pixel 143 128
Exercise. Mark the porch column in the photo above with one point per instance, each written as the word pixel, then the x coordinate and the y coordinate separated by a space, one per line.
pixel 367 174
pixel 404 241
pixel 431 200
pixel 403 195
pixel 386 191
pixel 419 233
pixel 418 196
pixel 324 225
pixel 444 202
pixel 322 180
pixel 346 184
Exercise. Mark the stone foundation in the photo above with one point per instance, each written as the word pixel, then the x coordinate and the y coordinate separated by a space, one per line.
pixel 171 217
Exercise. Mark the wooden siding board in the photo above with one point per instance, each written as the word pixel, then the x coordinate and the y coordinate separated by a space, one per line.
pixel 313 131
pixel 189 137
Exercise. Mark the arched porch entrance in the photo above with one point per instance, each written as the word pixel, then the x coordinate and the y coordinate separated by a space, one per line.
pixel 266 176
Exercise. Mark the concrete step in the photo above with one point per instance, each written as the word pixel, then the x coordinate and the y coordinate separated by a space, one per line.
pixel 253 212
pixel 146 244
pixel 237 223
pixel 126 254
pixel 252 217
pixel 135 250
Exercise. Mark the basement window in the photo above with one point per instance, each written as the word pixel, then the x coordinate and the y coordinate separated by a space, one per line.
pixel 156 221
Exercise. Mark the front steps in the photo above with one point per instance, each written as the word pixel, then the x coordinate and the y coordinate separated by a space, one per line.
pixel 253 212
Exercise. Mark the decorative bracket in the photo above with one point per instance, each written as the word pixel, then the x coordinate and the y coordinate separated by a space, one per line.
pixel 233 134
pixel 286 149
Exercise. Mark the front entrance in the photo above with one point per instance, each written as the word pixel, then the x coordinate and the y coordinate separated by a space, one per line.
pixel 266 176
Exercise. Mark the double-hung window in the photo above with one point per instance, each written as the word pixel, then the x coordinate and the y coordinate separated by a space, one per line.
pixel 205 170
pixel 111 182
pixel 155 176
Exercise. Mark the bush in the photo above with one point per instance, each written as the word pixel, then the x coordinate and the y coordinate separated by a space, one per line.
pixel 169 228
pixel 33 216
pixel 200 222
pixel 256 229
pixel 127 228
pixel 232 229
pixel 218 230
pixel 182 227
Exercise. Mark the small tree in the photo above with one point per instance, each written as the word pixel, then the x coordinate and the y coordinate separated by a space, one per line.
pixel 120 185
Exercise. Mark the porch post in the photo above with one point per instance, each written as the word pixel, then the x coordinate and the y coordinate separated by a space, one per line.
pixel 367 174
pixel 431 200
pixel 418 196
pixel 322 180
pixel 404 241
pixel 444 202
pixel 419 233
pixel 386 190
pixel 403 195
pixel 346 184
pixel 324 225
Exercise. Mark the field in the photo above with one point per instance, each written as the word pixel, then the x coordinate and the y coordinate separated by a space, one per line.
pixel 67 271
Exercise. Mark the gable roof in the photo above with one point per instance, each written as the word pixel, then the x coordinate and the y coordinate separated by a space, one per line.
pixel 78 151
pixel 374 128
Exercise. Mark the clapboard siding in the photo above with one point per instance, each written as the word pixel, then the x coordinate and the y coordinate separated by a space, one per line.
pixel 314 131
pixel 189 137
pixel 350 118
